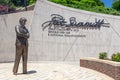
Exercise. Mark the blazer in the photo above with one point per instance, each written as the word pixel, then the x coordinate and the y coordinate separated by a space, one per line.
pixel 22 35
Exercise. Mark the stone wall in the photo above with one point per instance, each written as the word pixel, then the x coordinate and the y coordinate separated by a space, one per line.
pixel 109 68
pixel 81 43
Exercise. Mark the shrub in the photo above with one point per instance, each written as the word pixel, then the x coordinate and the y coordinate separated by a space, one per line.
pixel 103 55
pixel 60 1
pixel 32 1
pixel 89 2
pixel 12 6
pixel 116 57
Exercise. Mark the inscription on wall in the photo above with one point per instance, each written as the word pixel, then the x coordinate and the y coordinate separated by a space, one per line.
pixel 58 26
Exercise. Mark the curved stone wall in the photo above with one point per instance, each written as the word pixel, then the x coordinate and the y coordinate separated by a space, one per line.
pixel 71 45
pixel 109 68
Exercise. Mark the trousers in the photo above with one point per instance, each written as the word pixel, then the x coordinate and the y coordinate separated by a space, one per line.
pixel 21 51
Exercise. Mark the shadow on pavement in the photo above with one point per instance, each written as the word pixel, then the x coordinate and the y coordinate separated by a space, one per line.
pixel 31 72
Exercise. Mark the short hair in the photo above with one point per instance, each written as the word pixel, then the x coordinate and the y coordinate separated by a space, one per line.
pixel 22 19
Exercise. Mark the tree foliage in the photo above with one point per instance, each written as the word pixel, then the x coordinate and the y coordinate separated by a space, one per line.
pixel 89 5
pixel 116 5
pixel 31 1
pixel 17 2
pixel 92 2
pixel 85 2
pixel 89 2
pixel 99 3
pixel 3 2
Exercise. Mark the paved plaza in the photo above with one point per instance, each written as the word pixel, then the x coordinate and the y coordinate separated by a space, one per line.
pixel 50 71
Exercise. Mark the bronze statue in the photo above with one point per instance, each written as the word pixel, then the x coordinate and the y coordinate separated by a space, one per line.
pixel 22 35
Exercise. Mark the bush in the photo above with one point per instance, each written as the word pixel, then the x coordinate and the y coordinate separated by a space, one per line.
pixel 116 57
pixel 89 2
pixel 12 6
pixel 103 55
pixel 60 1
pixel 32 1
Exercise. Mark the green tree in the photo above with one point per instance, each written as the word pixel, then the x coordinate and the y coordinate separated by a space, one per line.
pixel 116 5
pixel 99 2
pixel 22 2
pixel 3 2
pixel 17 2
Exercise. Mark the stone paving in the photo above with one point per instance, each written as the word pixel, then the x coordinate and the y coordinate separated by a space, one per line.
pixel 50 71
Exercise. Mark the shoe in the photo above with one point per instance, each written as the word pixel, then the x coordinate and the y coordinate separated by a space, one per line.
pixel 14 73
pixel 24 72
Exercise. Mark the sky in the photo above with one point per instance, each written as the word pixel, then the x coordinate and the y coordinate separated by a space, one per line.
pixel 107 3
